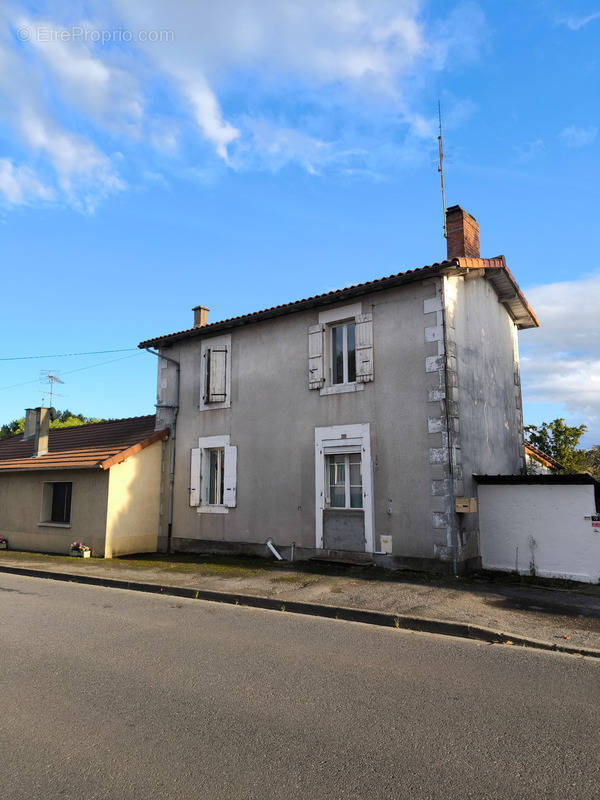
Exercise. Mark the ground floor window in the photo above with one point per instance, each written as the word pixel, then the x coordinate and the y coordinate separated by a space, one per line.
pixel 344 475
pixel 213 475
pixel 56 502
pixel 215 483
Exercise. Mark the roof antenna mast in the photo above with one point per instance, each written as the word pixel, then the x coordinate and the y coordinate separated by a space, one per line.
pixel 48 375
pixel 441 171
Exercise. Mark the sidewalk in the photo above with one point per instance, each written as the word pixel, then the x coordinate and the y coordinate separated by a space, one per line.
pixel 555 616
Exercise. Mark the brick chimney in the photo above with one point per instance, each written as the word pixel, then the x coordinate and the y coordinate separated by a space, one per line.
pixel 463 234
pixel 200 316
pixel 37 427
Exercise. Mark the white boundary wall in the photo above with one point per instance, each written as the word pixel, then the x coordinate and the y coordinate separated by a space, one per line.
pixel 527 523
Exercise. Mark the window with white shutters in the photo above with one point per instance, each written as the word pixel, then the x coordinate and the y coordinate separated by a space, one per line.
pixel 340 350
pixel 215 373
pixel 213 478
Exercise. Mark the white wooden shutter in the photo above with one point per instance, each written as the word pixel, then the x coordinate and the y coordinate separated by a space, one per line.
pixel 195 476
pixel 316 376
pixel 364 348
pixel 217 392
pixel 230 476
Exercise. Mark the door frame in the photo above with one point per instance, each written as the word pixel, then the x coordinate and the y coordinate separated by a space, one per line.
pixel 340 439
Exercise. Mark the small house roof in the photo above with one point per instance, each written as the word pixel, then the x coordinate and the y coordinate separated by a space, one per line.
pixel 543 458
pixel 97 445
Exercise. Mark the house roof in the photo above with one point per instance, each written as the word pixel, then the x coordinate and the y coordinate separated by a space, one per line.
pixel 539 455
pixel 551 480
pixel 97 445
pixel 495 270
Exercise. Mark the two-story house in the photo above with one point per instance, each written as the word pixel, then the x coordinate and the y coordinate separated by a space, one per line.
pixel 349 421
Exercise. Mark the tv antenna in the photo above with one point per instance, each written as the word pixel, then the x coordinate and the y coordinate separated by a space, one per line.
pixel 441 171
pixel 50 376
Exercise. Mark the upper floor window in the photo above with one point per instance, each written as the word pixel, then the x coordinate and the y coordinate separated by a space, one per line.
pixel 343 353
pixel 340 350
pixel 215 373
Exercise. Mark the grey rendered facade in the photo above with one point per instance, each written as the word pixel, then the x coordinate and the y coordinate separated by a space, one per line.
pixel 439 401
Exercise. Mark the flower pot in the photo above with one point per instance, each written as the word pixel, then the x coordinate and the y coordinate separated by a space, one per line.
pixel 3 545
pixel 81 553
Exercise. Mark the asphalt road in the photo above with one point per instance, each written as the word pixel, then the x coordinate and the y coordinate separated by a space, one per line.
pixel 106 693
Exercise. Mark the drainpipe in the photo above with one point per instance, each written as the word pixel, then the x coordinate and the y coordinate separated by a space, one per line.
pixel 173 437
pixel 453 534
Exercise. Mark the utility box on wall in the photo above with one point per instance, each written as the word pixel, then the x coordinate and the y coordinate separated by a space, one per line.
pixel 465 505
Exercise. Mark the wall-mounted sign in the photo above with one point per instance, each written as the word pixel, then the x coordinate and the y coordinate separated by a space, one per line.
pixel 595 520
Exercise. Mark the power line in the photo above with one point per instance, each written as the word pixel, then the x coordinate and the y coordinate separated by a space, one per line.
pixel 71 371
pixel 68 355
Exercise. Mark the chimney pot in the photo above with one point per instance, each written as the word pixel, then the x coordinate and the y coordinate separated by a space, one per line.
pixel 37 426
pixel 462 234
pixel 200 316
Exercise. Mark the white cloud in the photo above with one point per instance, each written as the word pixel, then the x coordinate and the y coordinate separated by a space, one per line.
pixel 19 184
pixel 560 361
pixel 529 150
pixel 83 173
pixel 574 136
pixel 107 92
pixel 208 115
pixel 575 23
pixel 238 76
pixel 277 146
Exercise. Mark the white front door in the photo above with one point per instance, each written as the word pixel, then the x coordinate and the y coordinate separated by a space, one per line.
pixel 343 488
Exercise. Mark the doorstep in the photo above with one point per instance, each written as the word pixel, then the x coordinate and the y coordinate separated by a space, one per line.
pixel 343 557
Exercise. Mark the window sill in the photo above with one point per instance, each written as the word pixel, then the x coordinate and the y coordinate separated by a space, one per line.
pixel 213 509
pixel 54 524
pixel 213 406
pixel 345 510
pixel 341 388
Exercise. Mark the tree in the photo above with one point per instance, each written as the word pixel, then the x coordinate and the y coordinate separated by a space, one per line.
pixel 593 461
pixel 560 441
pixel 64 419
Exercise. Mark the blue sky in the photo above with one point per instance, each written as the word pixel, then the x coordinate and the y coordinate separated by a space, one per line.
pixel 263 151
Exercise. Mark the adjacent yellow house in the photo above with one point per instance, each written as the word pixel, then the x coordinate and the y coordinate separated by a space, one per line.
pixel 97 483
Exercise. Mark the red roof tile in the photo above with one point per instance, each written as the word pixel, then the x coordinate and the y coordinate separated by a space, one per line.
pixel 524 319
pixel 98 444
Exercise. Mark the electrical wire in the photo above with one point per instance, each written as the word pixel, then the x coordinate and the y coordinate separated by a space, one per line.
pixel 68 355
pixel 71 371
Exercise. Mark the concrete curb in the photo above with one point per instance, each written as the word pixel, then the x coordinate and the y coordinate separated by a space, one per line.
pixel 383 619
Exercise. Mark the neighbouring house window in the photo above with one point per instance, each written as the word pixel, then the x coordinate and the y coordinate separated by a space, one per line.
pixel 213 474
pixel 343 353
pixel 216 470
pixel 215 377
pixel 56 502
pixel 344 476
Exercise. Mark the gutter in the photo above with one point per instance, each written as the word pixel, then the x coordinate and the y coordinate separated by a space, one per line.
pixel 174 440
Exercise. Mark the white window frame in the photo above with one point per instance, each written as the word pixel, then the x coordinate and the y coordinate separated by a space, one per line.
pixel 332 318
pixel 344 439
pixel 347 484
pixel 200 483
pixel 216 343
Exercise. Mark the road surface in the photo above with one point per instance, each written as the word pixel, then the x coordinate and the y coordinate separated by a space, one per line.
pixel 106 693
